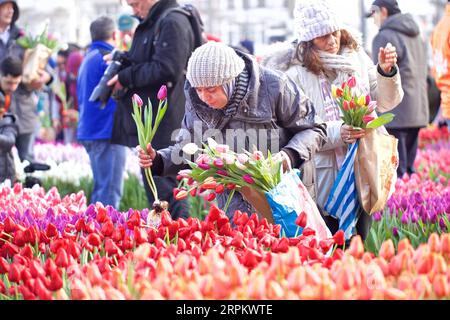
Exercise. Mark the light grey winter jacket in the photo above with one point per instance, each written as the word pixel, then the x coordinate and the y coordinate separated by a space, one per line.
pixel 387 91
pixel 273 104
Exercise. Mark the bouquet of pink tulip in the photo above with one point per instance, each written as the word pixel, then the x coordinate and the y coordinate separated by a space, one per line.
pixel 147 128
pixel 218 168
pixel 358 109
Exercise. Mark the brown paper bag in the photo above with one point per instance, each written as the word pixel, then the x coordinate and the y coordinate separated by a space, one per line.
pixel 376 169
pixel 34 60
pixel 258 201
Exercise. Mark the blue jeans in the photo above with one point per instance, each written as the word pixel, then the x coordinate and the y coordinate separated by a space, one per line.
pixel 108 166
pixel 25 146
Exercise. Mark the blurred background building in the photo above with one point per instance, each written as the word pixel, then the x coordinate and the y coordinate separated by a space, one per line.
pixel 262 21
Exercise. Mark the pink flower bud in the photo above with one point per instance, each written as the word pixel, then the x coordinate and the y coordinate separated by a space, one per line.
pixel 257 155
pixel 138 100
pixel 162 94
pixel 248 179
pixel 368 100
pixel 222 173
pixel 352 82
pixel 218 163
pixel 367 119
pixel 222 148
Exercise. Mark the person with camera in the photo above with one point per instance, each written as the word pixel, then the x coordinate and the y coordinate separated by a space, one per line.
pixel 161 47
pixel 10 77
pixel 96 121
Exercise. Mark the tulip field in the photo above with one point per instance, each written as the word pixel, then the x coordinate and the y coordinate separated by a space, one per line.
pixel 60 247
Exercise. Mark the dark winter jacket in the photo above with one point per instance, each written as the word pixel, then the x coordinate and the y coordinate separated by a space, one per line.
pixel 153 64
pixel 11 48
pixel 273 105
pixel 8 135
pixel 403 32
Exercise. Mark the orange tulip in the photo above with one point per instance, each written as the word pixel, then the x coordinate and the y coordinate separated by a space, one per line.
pixel 387 250
pixel 441 287
pixel 356 248
pixel 434 243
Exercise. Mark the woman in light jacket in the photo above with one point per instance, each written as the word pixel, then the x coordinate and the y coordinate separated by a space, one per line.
pixel 325 55
pixel 228 95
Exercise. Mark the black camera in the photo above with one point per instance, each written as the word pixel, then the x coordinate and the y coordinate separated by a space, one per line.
pixel 102 91
pixel 30 181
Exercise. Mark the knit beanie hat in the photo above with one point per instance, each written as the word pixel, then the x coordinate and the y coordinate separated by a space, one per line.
pixel 213 64
pixel 314 19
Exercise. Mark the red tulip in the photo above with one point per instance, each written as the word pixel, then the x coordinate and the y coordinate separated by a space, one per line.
pixel 210 197
pixel 339 92
pixel 140 236
pixel 134 220
pixel 231 186
pixel 9 225
pixel 102 215
pixel 339 238
pixel 4 266
pixel 352 105
pixel 325 245
pixel 9 250
pixel 50 266
pixel 14 273
pixel 162 93
pixel 42 292
pixel 107 228
pixel 214 214
pixel 51 231
pixel 27 252
pixel 166 219
pixel 2 287
pixel 301 220
pixel 26 293
pixel 308 232
pixel 94 239
pixel 36 269
pixel 110 247
pixel 55 282
pixel 346 105
pixel 80 225
pixel 62 260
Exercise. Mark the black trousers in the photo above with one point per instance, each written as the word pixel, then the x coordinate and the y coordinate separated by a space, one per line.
pixel 165 186
pixel 362 226
pixel 408 140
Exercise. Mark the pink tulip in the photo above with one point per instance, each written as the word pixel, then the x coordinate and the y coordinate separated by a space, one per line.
pixel 248 179
pixel 368 100
pixel 367 119
pixel 352 82
pixel 162 93
pixel 137 100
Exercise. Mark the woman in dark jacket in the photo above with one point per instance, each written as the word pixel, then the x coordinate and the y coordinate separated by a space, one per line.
pixel 231 98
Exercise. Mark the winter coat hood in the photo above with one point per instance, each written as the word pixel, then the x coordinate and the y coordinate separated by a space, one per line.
pixel 16 10
pixel 403 23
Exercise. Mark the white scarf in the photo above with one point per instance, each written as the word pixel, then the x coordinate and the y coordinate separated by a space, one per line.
pixel 338 69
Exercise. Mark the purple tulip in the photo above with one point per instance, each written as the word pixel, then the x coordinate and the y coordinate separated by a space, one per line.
pixel 162 93
pixel 442 224
pixel 248 179
pixel 377 216
pixel 138 100
pixel 433 216
pixel 405 218
pixel 414 218
pixel 395 232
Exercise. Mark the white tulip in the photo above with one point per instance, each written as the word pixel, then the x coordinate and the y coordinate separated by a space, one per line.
pixel 190 149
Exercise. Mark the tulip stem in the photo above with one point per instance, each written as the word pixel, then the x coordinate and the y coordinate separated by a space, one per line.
pixel 230 196
pixel 151 183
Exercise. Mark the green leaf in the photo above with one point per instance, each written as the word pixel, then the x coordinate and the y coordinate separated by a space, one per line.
pixel 381 121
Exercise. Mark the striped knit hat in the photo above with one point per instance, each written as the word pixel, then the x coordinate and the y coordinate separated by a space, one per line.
pixel 213 64
pixel 314 19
